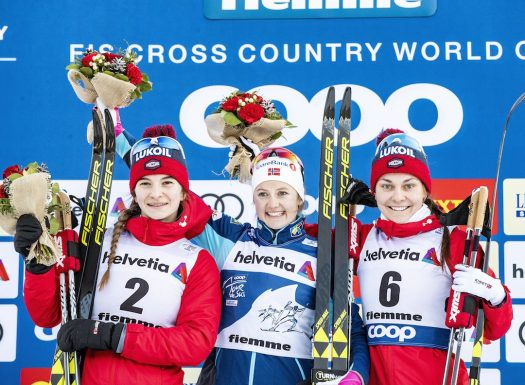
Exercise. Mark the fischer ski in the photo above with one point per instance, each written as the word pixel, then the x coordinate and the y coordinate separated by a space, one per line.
pixel 94 219
pixel 331 326
pixel 342 274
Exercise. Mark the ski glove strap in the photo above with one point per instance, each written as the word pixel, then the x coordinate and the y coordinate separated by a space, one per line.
pixel 459 216
pixel 468 279
pixel 79 334
pixel 358 193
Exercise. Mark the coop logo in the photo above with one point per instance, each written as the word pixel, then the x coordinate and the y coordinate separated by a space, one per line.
pixel 391 332
pixel 305 9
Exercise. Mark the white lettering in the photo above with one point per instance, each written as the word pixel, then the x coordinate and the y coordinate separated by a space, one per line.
pixel 280 5
pixel 392 331
pixel 2 32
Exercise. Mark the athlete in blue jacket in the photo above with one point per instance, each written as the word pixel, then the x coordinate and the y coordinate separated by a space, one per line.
pixel 268 284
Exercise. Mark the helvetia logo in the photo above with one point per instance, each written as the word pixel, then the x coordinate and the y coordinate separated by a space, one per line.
pixel 181 273
pixel 307 271
pixel 291 9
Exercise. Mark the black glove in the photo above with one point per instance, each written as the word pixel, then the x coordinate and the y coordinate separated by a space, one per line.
pixel 358 193
pixel 79 334
pixel 28 230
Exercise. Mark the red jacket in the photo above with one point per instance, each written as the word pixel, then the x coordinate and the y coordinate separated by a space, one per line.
pixel 150 355
pixel 412 365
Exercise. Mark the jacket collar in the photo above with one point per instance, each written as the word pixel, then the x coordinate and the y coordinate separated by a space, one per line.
pixel 421 222
pixel 292 231
pixel 191 222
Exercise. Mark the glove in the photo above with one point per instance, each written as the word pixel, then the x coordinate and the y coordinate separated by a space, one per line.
pixel 350 378
pixel 358 193
pixel 468 279
pixel 28 230
pixel 79 334
pixel 248 145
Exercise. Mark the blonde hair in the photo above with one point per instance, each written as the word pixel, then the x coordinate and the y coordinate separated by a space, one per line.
pixel 123 217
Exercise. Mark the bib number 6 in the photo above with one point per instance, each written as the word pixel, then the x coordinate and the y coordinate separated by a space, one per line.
pixel 389 290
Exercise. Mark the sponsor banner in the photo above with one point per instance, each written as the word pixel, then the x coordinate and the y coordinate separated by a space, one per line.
pixel 514 206
pixel 515 268
pixel 9 270
pixel 515 337
pixel 315 9
pixel 449 193
pixel 8 331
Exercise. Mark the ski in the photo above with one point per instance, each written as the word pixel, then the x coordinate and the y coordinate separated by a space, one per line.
pixel 322 344
pixel 342 275
pixel 94 219
pixel 64 370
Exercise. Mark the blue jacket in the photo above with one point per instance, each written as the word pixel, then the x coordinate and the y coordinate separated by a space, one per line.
pixel 268 288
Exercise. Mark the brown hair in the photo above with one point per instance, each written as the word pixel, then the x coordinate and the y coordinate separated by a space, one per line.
pixel 123 217
pixel 445 241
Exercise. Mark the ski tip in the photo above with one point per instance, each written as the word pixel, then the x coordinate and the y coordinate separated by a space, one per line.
pixel 346 104
pixel 329 107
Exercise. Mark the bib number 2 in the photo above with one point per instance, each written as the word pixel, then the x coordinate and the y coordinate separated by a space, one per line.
pixel 141 288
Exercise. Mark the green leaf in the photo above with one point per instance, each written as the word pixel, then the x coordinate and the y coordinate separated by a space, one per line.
pixel 276 136
pixel 145 77
pixel 87 72
pixel 12 177
pixel 230 118
pixel 144 86
pixel 122 77
pixel 73 66
pixel 53 226
pixel 55 188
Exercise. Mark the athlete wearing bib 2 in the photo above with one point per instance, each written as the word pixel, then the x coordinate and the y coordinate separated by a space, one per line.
pixel 407 264
pixel 157 302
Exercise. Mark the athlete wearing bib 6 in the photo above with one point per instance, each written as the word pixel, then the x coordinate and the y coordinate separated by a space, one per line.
pixel 157 302
pixel 407 264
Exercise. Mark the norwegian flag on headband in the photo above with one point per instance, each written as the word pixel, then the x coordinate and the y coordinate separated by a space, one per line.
pixel 274 171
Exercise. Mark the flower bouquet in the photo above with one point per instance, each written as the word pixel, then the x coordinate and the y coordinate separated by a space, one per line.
pixel 249 115
pixel 29 191
pixel 110 80
pixel 114 78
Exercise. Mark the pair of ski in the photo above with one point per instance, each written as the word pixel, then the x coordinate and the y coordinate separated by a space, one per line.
pixel 331 331
pixel 66 366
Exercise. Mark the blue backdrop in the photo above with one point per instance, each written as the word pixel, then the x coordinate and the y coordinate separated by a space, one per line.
pixel 444 71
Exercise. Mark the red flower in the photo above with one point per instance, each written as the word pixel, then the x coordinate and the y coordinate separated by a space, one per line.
pixel 110 56
pixel 251 113
pixel 2 192
pixel 11 170
pixel 134 74
pixel 88 59
pixel 231 104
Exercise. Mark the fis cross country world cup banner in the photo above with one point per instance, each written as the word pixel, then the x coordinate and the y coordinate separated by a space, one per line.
pixel 446 72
